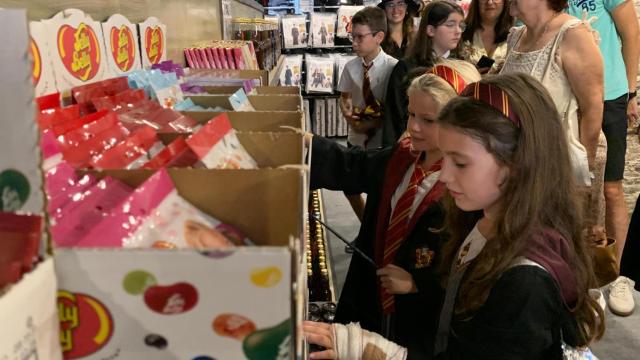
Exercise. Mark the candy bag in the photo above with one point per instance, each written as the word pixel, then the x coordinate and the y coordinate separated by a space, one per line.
pixel 20 235
pixel 121 101
pixel 218 147
pixel 132 153
pixel 102 121
pixel 61 184
pixel 77 123
pixel 84 94
pixel 176 154
pixel 80 156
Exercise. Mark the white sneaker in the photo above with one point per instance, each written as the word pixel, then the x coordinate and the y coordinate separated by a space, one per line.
pixel 621 297
pixel 596 294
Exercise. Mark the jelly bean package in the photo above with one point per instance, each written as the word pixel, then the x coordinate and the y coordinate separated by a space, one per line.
pixel 20 235
pixel 218 147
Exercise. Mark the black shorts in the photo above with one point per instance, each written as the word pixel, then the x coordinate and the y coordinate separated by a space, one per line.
pixel 614 126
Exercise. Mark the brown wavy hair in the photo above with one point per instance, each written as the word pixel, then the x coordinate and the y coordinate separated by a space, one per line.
pixel 540 193
pixel 474 22
pixel 388 45
pixel 435 14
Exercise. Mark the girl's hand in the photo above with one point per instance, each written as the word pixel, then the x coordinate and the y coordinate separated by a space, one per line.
pixel 321 334
pixel 396 280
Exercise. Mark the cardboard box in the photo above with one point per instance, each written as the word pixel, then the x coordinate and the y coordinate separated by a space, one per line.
pixel 269 150
pixel 77 48
pixel 153 42
pixel 30 317
pixel 257 121
pixel 262 75
pixel 147 296
pixel 43 77
pixel 121 45
pixel 258 90
pixel 259 102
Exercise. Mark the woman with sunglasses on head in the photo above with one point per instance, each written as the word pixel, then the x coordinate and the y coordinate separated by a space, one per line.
pixel 400 15
pixel 517 270
pixel 488 24
pixel 440 30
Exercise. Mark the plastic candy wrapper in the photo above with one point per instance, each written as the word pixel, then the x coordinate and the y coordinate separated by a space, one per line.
pixel 47 102
pixel 61 184
pixel 90 125
pixel 163 120
pixel 77 123
pixel 19 247
pixel 240 102
pixel 132 153
pixel 188 105
pixel 176 154
pixel 169 66
pixel 154 215
pixel 121 101
pixel 166 88
pixel 86 209
pixel 56 117
pixel 84 94
pixel 79 156
pixel 218 147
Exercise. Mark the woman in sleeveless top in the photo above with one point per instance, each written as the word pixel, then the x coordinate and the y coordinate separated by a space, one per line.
pixel 561 52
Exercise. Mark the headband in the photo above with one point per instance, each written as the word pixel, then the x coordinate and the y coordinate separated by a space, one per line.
pixel 494 96
pixel 451 76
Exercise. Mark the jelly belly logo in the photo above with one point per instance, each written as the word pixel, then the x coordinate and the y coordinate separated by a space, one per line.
pixel 85 324
pixel 153 41
pixel 79 51
pixel 37 60
pixel 122 47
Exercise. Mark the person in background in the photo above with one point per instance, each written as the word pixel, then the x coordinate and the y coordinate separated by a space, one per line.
pixel 488 24
pixel 518 271
pixel 439 33
pixel 617 25
pixel 399 34
pixel 363 85
pixel 403 208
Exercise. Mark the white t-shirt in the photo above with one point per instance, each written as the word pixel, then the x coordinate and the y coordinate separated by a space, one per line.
pixel 351 82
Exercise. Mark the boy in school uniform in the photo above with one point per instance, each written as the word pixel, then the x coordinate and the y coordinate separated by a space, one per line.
pixel 363 85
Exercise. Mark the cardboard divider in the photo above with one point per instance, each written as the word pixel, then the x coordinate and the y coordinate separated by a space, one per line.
pixel 269 150
pixel 258 90
pixel 261 121
pixel 259 102
pixel 263 75
pixel 265 204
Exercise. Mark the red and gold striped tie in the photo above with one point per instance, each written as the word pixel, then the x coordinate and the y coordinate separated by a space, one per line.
pixel 397 230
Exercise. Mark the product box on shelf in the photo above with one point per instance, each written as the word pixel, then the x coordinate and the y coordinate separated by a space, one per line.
pixel 188 304
pixel 76 46
pixel 30 317
pixel 43 77
pixel 121 45
pixel 259 102
pixel 153 41
pixel 257 121
pixel 20 176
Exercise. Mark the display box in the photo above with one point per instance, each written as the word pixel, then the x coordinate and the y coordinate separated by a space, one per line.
pixel 259 102
pixel 262 75
pixel 153 42
pixel 30 318
pixel 187 304
pixel 257 121
pixel 77 48
pixel 258 90
pixel 43 77
pixel 121 45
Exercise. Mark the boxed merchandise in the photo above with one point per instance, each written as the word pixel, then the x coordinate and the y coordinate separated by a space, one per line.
pixel 153 41
pixel 320 74
pixel 121 44
pixel 77 49
pixel 291 73
pixel 222 54
pixel 294 31
pixel 43 78
pixel 345 13
pixel 323 28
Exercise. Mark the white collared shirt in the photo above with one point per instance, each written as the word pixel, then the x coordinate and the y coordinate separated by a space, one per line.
pixel 474 242
pixel 423 190
pixel 351 82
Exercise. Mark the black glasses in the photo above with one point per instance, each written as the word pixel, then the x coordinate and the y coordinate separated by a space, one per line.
pixel 359 37
pixel 392 5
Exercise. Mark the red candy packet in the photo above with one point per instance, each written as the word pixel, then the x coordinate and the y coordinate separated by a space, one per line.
pixel 19 244
pixel 84 94
pixel 132 153
pixel 176 154
pixel 55 117
pixel 121 101
pixel 102 121
pixel 163 120
pixel 80 156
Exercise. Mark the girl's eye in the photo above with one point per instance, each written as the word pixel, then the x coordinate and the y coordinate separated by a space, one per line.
pixel 411 114
pixel 460 165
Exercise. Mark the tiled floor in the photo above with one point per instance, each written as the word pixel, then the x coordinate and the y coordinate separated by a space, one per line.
pixel 622 338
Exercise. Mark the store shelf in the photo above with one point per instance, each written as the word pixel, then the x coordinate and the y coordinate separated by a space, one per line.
pixel 252 4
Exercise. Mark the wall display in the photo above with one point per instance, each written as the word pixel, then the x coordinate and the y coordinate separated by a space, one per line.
pixel 43 77
pixel 121 44
pixel 341 62
pixel 345 13
pixel 320 74
pixel 153 41
pixel 77 48
pixel 323 28
pixel 291 74
pixel 294 31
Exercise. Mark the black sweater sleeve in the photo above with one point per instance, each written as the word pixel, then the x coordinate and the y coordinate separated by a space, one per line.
pixel 395 105
pixel 519 321
pixel 353 170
